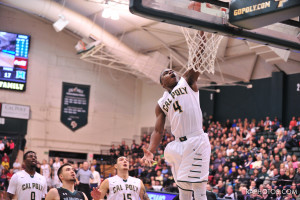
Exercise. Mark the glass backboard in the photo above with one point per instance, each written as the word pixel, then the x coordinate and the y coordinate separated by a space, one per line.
pixel 214 17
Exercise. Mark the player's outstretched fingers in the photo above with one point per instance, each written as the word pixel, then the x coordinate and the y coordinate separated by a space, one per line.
pixel 144 150
pixel 147 153
pixel 150 162
pixel 148 157
pixel 96 193
pixel 145 161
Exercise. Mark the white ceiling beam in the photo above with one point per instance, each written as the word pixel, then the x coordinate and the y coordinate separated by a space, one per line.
pixel 164 31
pixel 228 76
pixel 253 68
pixel 170 44
pixel 222 47
pixel 292 60
pixel 237 50
pixel 176 56
pixel 136 28
pixel 179 58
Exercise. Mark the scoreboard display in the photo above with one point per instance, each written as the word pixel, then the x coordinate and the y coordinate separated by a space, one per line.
pixel 13 61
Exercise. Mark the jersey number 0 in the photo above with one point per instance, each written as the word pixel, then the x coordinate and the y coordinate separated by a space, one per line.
pixel 32 195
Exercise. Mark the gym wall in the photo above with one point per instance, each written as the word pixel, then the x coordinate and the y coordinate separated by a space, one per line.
pixel 116 99
pixel 276 96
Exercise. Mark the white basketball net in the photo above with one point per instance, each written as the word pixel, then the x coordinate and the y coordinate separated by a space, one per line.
pixel 202 49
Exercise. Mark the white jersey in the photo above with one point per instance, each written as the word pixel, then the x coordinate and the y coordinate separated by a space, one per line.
pixel 26 187
pixel 56 182
pixel 182 107
pixel 120 189
pixel 56 166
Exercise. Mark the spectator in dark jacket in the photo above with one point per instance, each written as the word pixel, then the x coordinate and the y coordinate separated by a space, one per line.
pixel 297 177
pixel 282 178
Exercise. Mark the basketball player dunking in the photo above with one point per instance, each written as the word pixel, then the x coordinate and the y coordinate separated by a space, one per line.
pixel 122 186
pixel 27 184
pixel 189 154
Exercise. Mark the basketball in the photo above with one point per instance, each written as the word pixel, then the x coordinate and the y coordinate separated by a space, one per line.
pixel 195 6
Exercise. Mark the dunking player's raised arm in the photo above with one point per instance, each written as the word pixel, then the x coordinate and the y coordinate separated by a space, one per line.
pixel 191 76
pixel 156 136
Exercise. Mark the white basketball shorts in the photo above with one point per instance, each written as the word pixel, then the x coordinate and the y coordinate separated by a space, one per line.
pixel 189 159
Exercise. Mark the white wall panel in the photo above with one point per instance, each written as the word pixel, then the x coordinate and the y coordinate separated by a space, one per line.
pixel 149 97
pixel 113 112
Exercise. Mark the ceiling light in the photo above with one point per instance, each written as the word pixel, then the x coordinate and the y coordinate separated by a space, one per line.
pixel 60 24
pixel 114 15
pixel 211 90
pixel 106 13
pixel 249 86
pixel 110 13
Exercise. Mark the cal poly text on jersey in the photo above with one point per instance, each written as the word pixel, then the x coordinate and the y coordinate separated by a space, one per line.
pixel 177 92
pixel 127 187
pixel 32 186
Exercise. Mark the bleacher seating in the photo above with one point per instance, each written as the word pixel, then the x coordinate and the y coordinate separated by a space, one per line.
pixel 296 151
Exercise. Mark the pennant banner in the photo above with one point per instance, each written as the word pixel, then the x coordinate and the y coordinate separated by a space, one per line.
pixel 74 105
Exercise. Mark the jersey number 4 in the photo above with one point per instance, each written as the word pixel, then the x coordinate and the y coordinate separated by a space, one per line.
pixel 128 197
pixel 177 107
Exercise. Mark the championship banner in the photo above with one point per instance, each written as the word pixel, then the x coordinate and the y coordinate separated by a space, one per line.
pixel 74 105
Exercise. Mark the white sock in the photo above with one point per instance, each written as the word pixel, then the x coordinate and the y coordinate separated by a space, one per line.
pixel 199 191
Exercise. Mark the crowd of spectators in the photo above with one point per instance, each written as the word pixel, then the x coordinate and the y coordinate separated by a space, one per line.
pixel 243 159
pixel 244 162
pixel 6 171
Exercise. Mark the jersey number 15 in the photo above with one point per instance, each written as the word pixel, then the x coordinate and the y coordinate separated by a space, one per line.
pixel 128 197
